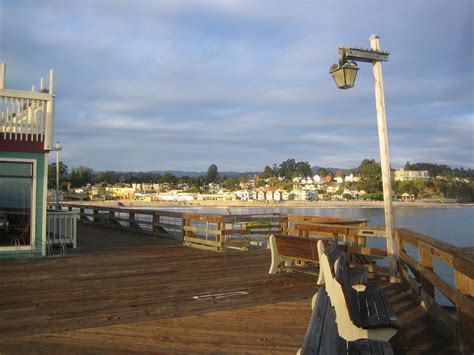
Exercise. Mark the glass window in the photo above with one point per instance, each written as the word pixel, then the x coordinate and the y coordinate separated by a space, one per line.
pixel 16 169
pixel 16 190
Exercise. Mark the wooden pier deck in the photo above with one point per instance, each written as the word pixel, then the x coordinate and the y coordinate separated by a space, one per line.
pixel 121 292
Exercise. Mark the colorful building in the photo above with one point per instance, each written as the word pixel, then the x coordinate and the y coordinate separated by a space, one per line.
pixel 26 137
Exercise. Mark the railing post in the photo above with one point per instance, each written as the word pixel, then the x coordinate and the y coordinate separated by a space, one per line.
pixel 220 227
pixel 426 260
pixel 465 285
pixel 284 225
pixel 96 216
pixel 402 268
pixel 131 219
pixel 111 217
pixel 155 219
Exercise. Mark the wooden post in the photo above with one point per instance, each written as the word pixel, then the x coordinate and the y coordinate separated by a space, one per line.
pixel 111 217
pixel 131 220
pixel 155 219
pixel 465 285
pixel 426 260
pixel 384 161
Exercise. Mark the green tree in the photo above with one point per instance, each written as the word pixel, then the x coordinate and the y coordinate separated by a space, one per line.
pixel 324 172
pixel 63 174
pixel 80 176
pixel 212 174
pixel 370 176
pixel 170 179
pixel 110 177
pixel 267 172
pixel 231 184
pixel 303 168
pixel 287 168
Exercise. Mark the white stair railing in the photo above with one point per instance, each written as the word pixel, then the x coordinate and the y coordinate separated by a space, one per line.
pixel 61 229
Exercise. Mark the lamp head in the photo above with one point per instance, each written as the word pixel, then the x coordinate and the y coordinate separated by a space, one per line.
pixel 344 73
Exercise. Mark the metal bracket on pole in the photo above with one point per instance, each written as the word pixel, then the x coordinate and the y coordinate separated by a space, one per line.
pixel 364 54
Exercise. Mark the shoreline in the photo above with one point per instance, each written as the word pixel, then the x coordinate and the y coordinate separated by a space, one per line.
pixel 244 204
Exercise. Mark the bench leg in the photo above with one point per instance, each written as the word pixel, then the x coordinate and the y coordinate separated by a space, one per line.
pixel 320 281
pixel 277 259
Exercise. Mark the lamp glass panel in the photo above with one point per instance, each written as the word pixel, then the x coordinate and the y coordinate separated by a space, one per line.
pixel 338 76
pixel 350 76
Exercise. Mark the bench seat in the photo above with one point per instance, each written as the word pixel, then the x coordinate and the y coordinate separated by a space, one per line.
pixel 322 335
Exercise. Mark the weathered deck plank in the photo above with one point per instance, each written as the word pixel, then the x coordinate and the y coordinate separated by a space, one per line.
pixel 136 296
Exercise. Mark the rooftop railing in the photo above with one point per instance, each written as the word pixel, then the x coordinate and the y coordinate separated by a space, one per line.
pixel 27 115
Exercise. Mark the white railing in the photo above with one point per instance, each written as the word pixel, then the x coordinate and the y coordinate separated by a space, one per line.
pixel 61 228
pixel 27 115
pixel 23 116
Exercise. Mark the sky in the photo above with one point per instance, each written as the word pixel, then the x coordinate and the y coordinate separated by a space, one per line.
pixel 180 85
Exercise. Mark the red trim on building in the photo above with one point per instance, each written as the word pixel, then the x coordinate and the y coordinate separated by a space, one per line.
pixel 27 143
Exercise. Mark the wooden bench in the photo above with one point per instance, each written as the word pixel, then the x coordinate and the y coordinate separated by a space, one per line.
pixel 322 337
pixel 360 314
pixel 358 276
pixel 288 251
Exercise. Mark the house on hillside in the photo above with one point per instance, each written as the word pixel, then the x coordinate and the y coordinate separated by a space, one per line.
pixel 411 175
pixel 26 137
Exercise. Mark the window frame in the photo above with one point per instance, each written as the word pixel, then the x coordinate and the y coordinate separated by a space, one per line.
pixel 31 245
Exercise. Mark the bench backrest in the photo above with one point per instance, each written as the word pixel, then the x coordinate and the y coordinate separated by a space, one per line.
pixel 350 295
pixel 322 336
pixel 297 247
pixel 333 253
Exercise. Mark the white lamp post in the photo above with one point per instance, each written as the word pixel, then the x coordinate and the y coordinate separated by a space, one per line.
pixel 57 149
pixel 344 74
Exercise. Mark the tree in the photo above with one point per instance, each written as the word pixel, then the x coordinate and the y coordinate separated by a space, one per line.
pixel 324 172
pixel 170 179
pixel 109 177
pixel 303 168
pixel 80 176
pixel 287 168
pixel 231 184
pixel 267 172
pixel 370 176
pixel 212 174
pixel 63 174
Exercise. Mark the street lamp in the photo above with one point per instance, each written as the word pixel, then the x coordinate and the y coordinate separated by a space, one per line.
pixel 344 74
pixel 57 149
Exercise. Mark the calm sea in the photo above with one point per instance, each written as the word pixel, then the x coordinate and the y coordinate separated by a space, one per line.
pixel 452 224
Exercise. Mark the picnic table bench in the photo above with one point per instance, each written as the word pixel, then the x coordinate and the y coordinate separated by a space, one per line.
pixel 322 336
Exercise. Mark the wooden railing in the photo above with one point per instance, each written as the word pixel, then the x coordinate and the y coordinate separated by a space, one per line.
pixel 417 268
pixel 151 222
pixel 204 231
